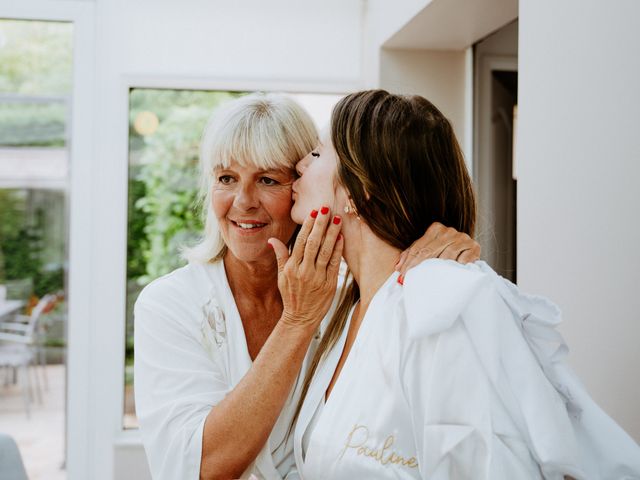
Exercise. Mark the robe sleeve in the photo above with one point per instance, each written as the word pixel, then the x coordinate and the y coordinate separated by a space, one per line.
pixel 176 384
pixel 605 450
pixel 481 405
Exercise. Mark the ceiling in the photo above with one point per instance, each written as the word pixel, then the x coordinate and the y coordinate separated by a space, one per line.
pixel 453 24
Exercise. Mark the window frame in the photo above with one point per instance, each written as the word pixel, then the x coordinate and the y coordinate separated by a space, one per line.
pixel 81 15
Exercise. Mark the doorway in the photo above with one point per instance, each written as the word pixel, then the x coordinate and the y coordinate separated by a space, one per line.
pixel 495 126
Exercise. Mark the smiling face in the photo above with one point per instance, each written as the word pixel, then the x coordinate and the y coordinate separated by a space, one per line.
pixel 317 185
pixel 251 206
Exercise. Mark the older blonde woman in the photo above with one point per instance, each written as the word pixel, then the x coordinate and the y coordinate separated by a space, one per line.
pixel 218 349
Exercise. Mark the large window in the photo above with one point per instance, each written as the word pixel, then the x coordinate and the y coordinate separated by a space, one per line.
pixel 165 127
pixel 35 88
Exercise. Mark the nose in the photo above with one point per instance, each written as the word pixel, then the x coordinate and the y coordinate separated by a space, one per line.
pixel 247 197
pixel 302 165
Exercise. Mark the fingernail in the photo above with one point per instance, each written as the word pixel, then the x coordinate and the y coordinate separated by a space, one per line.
pixel 401 279
pixel 324 210
pixel 314 213
pixel 337 220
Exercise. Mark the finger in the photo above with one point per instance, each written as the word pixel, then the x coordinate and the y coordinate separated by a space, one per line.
pixel 298 248
pixel 336 257
pixel 434 231
pixel 403 257
pixel 469 256
pixel 435 248
pixel 461 243
pixel 417 256
pixel 329 241
pixel 450 253
pixel 315 237
pixel 281 251
pixel 410 263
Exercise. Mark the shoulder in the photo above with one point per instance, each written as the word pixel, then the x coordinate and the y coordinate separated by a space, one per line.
pixel 185 282
pixel 436 292
pixel 180 294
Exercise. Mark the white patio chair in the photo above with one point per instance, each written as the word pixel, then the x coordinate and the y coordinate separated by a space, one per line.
pixel 19 347
pixel 45 305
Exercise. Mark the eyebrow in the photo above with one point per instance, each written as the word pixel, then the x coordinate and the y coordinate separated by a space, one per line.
pixel 282 171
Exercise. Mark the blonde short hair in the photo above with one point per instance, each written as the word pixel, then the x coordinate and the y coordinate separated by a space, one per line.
pixel 264 130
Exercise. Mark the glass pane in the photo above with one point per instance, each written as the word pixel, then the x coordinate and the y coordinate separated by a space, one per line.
pixel 165 127
pixel 35 87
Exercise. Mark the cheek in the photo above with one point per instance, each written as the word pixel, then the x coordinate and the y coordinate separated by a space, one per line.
pixel 319 183
pixel 280 204
pixel 221 201
pixel 279 207
pixel 325 188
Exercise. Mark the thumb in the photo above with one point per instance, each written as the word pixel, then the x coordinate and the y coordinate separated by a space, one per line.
pixel 281 251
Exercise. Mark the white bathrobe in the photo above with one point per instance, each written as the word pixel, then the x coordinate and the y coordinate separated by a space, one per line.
pixel 457 375
pixel 190 351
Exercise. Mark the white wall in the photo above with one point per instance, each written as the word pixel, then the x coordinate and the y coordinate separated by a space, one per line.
pixel 436 75
pixel 424 47
pixel 281 44
pixel 382 20
pixel 578 197
pixel 276 40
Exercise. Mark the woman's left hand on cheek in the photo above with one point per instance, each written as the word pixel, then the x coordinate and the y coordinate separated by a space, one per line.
pixel 438 242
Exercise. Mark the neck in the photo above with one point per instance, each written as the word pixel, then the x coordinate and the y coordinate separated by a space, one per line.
pixel 257 280
pixel 370 259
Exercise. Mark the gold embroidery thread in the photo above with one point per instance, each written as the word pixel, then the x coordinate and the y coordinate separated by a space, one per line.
pixel 384 455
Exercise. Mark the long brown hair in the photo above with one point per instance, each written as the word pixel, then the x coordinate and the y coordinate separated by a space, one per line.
pixel 401 163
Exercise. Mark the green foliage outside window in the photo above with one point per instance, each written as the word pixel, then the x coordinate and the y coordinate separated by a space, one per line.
pixel 36 60
pixel 36 57
pixel 21 246
pixel 164 182
pixel 164 214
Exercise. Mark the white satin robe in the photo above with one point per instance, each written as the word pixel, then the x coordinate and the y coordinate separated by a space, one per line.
pixel 190 351
pixel 457 375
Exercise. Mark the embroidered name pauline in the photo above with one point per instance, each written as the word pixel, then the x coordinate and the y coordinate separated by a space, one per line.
pixel 384 454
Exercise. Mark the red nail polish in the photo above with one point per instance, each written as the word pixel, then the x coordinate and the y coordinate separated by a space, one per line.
pixel 270 244
pixel 324 210
pixel 401 280
pixel 314 213
pixel 337 220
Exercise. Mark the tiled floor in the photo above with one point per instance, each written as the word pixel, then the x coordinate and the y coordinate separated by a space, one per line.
pixel 41 437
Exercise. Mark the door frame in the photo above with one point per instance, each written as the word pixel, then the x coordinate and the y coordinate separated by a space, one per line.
pixel 482 148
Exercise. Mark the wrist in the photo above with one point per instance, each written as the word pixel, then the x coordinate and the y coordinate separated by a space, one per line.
pixel 298 325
